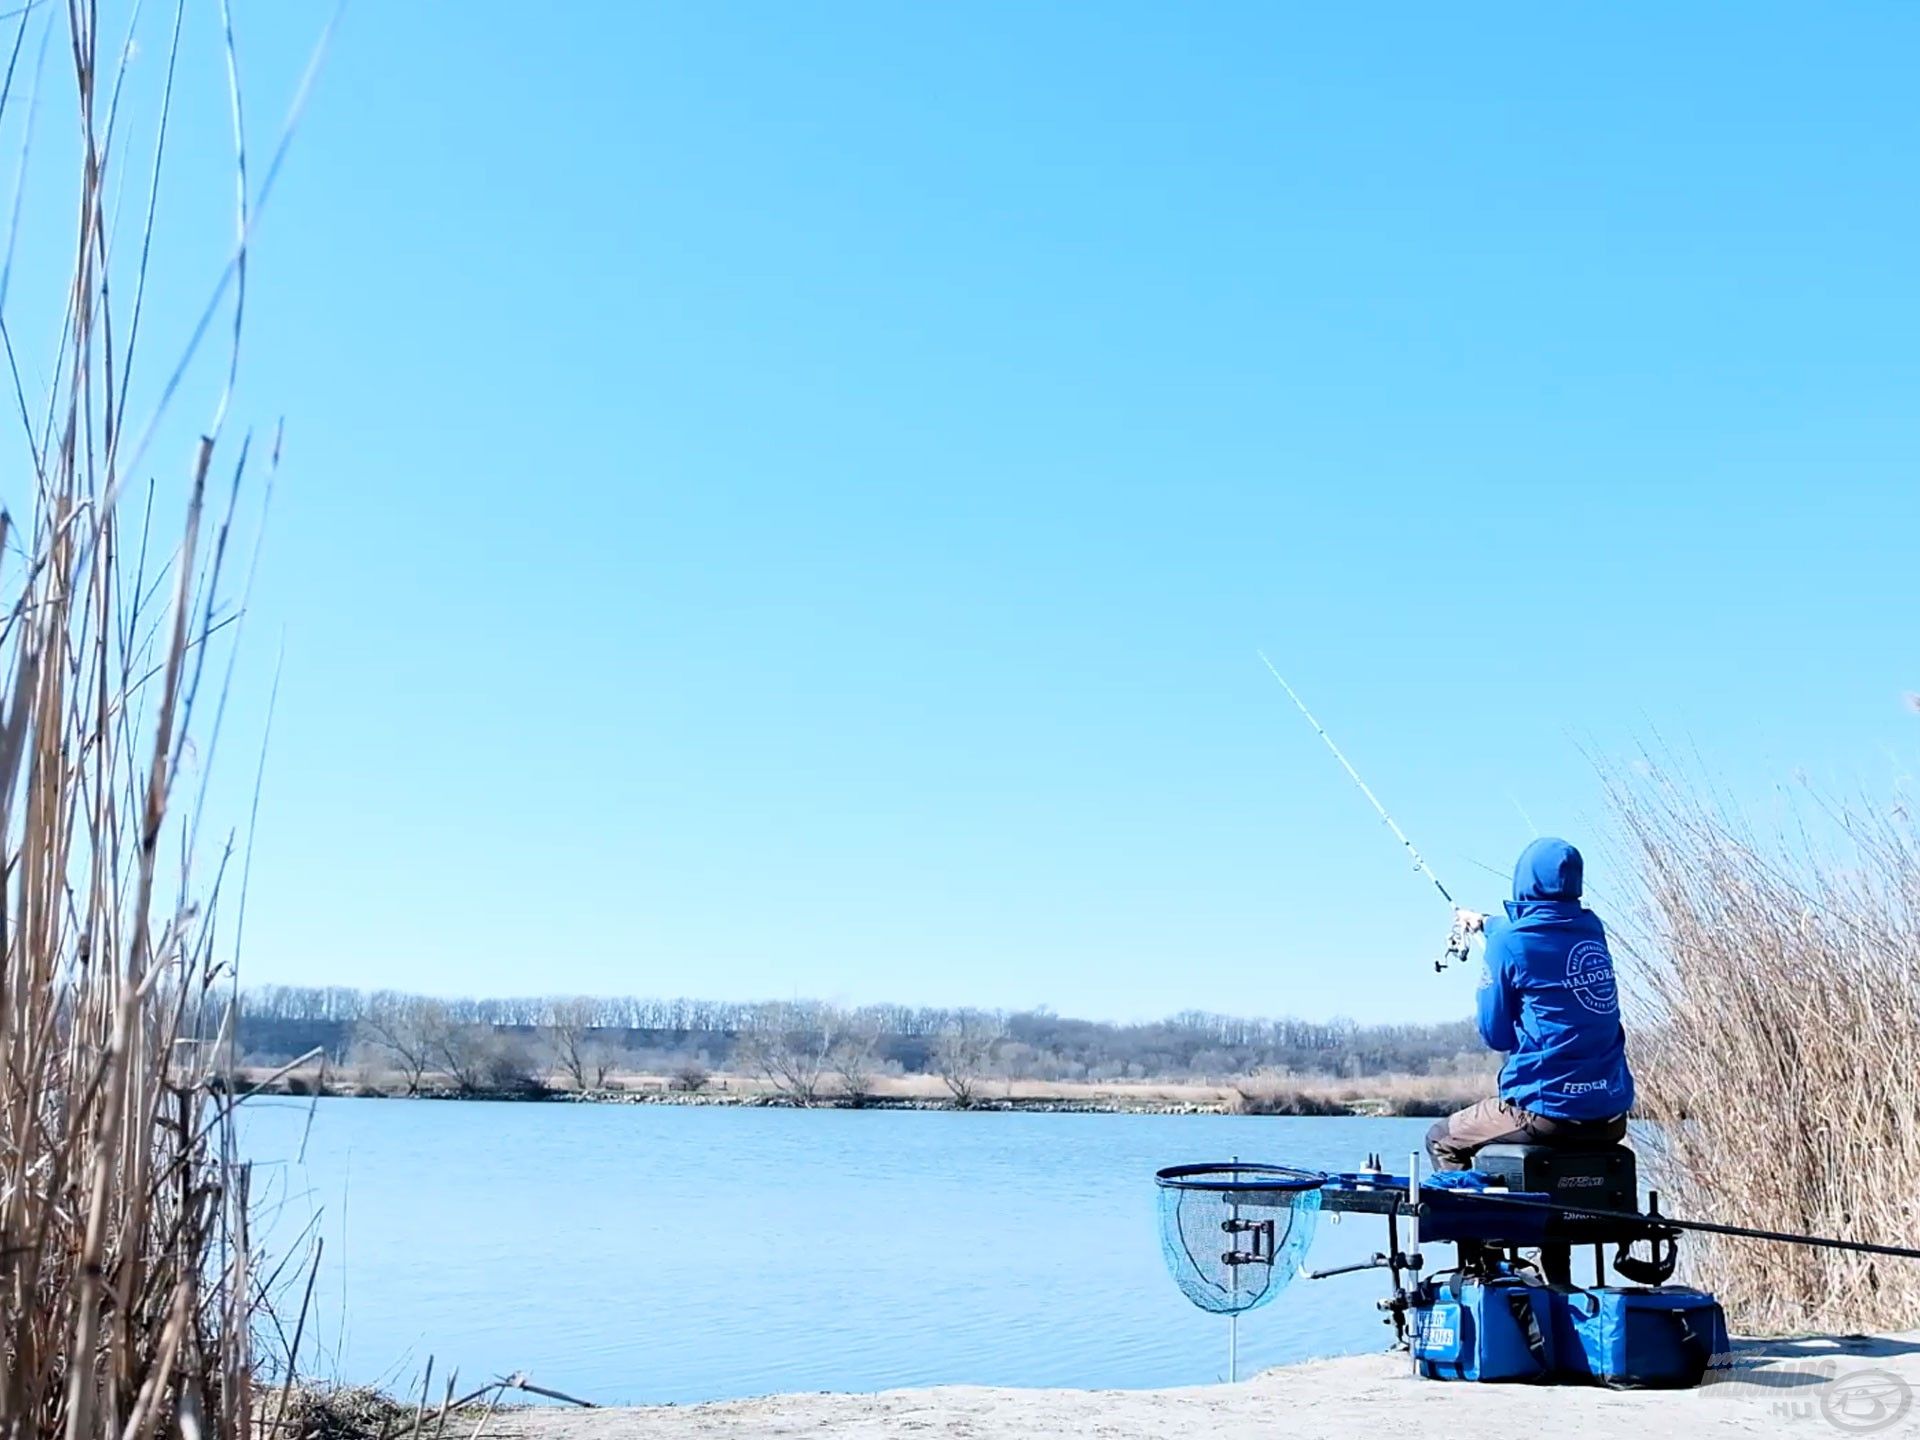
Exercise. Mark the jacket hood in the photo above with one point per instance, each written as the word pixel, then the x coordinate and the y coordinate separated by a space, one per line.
pixel 1549 869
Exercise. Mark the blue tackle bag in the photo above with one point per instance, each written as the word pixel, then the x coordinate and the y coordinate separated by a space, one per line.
pixel 1499 1329
pixel 1662 1337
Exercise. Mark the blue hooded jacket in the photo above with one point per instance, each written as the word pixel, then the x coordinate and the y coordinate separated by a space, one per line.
pixel 1548 998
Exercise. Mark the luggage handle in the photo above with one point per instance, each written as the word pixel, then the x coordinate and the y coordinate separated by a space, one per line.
pixel 1519 1297
pixel 1587 1295
pixel 1692 1340
pixel 1520 1304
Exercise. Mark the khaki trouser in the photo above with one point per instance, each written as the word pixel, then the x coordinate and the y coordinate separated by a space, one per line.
pixel 1453 1141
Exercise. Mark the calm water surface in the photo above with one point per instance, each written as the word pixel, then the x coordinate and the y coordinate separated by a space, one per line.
pixel 634 1254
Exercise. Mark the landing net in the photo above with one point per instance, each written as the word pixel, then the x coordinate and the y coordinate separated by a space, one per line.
pixel 1234 1235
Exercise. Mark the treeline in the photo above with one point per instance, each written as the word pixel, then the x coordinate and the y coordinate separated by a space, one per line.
pixel 279 1022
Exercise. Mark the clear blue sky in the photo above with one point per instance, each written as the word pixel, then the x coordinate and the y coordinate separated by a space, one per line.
pixel 782 500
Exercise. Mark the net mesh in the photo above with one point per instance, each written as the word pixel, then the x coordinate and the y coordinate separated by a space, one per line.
pixel 1234 1236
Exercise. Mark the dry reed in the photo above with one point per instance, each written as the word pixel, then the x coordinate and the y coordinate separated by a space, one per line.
pixel 1777 980
pixel 123 1241
pixel 1278 1092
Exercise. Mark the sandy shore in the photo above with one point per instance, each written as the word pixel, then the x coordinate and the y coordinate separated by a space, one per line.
pixel 1815 1387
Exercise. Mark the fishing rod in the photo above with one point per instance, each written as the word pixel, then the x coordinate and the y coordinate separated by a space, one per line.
pixel 1458 939
pixel 1708 1227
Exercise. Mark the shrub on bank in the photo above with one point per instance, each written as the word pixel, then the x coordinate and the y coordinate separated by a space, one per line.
pixel 1268 1094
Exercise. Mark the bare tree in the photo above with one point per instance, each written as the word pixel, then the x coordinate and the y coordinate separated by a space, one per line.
pixel 406 1031
pixel 962 1052
pixel 790 1044
pixel 598 1059
pixel 460 1051
pixel 479 1058
pixel 851 1056
pixel 578 1050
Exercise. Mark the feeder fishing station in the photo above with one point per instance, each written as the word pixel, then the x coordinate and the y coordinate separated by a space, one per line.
pixel 1504 1305
pixel 1480 1265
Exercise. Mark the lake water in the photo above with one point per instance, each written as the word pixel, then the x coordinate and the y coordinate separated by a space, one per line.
pixel 633 1254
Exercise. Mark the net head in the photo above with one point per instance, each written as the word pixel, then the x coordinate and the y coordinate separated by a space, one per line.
pixel 1234 1235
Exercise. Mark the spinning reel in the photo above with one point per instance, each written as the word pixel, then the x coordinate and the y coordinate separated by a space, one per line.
pixel 1459 944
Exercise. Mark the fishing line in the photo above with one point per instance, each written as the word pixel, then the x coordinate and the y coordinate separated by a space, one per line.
pixel 1523 814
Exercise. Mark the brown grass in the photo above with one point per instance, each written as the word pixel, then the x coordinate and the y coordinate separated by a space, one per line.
pixel 124 1253
pixel 1777 975
pixel 1274 1093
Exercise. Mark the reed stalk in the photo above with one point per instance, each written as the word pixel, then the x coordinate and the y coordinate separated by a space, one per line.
pixel 1776 975
pixel 124 1253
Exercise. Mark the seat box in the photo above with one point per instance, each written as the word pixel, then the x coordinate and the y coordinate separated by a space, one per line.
pixel 1604 1177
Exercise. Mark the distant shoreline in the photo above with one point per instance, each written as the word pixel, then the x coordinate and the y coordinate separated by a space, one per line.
pixel 1371 1097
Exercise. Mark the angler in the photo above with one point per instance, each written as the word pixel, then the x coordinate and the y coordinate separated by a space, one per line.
pixel 1549 1002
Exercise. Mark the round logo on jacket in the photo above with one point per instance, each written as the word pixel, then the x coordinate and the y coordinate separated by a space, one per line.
pixel 1590 977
